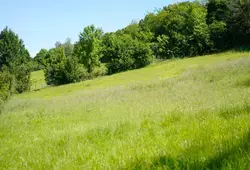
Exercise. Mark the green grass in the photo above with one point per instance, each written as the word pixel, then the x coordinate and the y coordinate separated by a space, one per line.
pixel 182 114
pixel 37 80
pixel 155 72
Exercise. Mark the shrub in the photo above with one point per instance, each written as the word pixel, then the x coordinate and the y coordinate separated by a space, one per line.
pixel 74 71
pixel 102 70
pixel 22 78
pixel 125 53
pixel 54 71
pixel 62 70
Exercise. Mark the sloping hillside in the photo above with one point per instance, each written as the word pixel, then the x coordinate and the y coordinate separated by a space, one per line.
pixel 186 114
pixel 156 72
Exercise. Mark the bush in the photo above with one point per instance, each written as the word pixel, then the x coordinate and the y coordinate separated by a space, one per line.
pixel 218 34
pixel 62 70
pixel 102 70
pixel 125 53
pixel 22 78
pixel 54 71
pixel 143 54
pixel 74 71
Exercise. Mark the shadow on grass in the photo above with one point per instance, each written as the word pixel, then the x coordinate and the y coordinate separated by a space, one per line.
pixel 228 113
pixel 230 155
pixel 226 159
pixel 244 83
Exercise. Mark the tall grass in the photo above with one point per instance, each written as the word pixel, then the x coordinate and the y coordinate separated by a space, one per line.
pixel 198 119
pixel 37 80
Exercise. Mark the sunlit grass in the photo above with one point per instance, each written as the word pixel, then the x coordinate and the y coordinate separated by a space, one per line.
pixel 182 114
pixel 37 80
pixel 154 72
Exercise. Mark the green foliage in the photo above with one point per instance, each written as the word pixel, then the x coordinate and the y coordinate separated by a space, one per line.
pixel 34 66
pixel 176 31
pixel 162 48
pixel 150 23
pixel 217 16
pixel 67 46
pixel 15 57
pixel 12 50
pixel 183 29
pixel 142 54
pixel 229 23
pixel 238 22
pixel 54 71
pixel 125 53
pixel 61 69
pixel 88 48
pixel 22 78
pixel 101 70
pixel 137 32
pixel 217 10
pixel 68 63
pixel 74 71
pixel 40 58
pixel 6 81
pixel 218 32
pixel 9 47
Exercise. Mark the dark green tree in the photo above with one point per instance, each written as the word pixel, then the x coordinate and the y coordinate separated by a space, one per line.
pixel 239 22
pixel 6 80
pixel 218 14
pixel 40 58
pixel 15 57
pixel 229 23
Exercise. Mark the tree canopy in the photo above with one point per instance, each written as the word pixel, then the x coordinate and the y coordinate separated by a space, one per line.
pixel 14 65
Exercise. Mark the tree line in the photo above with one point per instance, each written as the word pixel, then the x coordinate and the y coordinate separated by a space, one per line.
pixel 179 30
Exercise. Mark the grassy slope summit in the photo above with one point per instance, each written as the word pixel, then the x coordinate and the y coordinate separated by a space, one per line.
pixel 181 114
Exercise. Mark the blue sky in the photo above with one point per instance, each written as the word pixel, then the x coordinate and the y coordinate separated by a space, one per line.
pixel 40 23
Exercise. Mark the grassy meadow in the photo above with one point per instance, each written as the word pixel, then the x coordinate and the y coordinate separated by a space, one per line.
pixel 191 113
pixel 37 80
